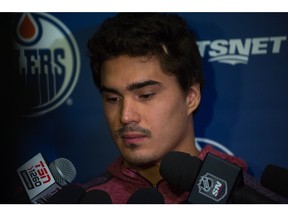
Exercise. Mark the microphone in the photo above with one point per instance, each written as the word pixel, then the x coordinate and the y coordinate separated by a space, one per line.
pixel 40 181
pixel 69 194
pixel 63 171
pixel 275 178
pixel 146 196
pixel 96 197
pixel 213 181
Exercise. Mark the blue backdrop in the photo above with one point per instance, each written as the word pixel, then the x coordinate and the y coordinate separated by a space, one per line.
pixel 244 101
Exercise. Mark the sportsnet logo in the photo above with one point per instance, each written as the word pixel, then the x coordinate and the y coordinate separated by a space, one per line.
pixel 212 187
pixel 238 51
pixel 49 62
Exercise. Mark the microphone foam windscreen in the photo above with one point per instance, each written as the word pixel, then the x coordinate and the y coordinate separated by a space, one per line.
pixel 96 197
pixel 275 178
pixel 180 169
pixel 69 194
pixel 63 171
pixel 146 196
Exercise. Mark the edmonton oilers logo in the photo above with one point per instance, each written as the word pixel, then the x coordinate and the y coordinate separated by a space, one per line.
pixel 49 62
pixel 200 142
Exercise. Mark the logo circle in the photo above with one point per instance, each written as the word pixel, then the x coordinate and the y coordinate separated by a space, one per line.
pixel 48 62
pixel 199 142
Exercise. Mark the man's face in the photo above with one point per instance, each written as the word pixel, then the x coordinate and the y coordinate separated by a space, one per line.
pixel 147 113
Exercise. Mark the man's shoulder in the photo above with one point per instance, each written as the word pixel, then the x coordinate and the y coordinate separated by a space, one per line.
pixel 113 170
pixel 230 158
pixel 98 180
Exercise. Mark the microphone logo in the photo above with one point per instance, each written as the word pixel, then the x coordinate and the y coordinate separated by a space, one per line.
pixel 37 179
pixel 212 187
pixel 36 175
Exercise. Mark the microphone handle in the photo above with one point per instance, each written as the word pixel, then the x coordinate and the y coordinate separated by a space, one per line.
pixel 248 195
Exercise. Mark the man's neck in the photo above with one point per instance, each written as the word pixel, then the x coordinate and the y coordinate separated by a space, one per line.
pixel 151 172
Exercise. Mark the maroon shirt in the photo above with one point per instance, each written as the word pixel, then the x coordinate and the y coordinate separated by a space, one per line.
pixel 120 183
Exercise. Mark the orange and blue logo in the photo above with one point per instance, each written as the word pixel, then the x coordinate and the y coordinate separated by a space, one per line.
pixel 48 62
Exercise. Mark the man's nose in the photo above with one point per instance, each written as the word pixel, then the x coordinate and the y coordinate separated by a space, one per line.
pixel 129 112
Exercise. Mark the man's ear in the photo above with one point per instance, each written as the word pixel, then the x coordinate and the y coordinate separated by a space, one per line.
pixel 193 98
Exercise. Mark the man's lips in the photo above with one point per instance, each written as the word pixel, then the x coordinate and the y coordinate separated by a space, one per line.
pixel 132 134
pixel 133 137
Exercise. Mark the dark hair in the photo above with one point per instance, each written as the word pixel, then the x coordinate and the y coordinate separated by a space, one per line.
pixel 165 36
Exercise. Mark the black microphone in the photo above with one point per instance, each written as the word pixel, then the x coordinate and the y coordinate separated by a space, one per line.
pixel 69 194
pixel 96 197
pixel 213 181
pixel 42 181
pixel 275 178
pixel 146 196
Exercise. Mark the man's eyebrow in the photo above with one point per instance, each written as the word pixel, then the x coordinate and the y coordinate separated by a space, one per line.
pixel 130 87
pixel 110 90
pixel 139 85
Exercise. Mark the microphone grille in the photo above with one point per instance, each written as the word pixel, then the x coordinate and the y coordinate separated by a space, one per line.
pixel 63 171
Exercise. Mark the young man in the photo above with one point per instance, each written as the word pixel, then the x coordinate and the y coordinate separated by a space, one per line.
pixel 148 69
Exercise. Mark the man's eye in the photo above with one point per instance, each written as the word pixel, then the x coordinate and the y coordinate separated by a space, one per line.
pixel 147 96
pixel 112 99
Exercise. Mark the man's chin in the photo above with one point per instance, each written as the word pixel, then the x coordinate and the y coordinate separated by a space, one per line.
pixel 140 160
